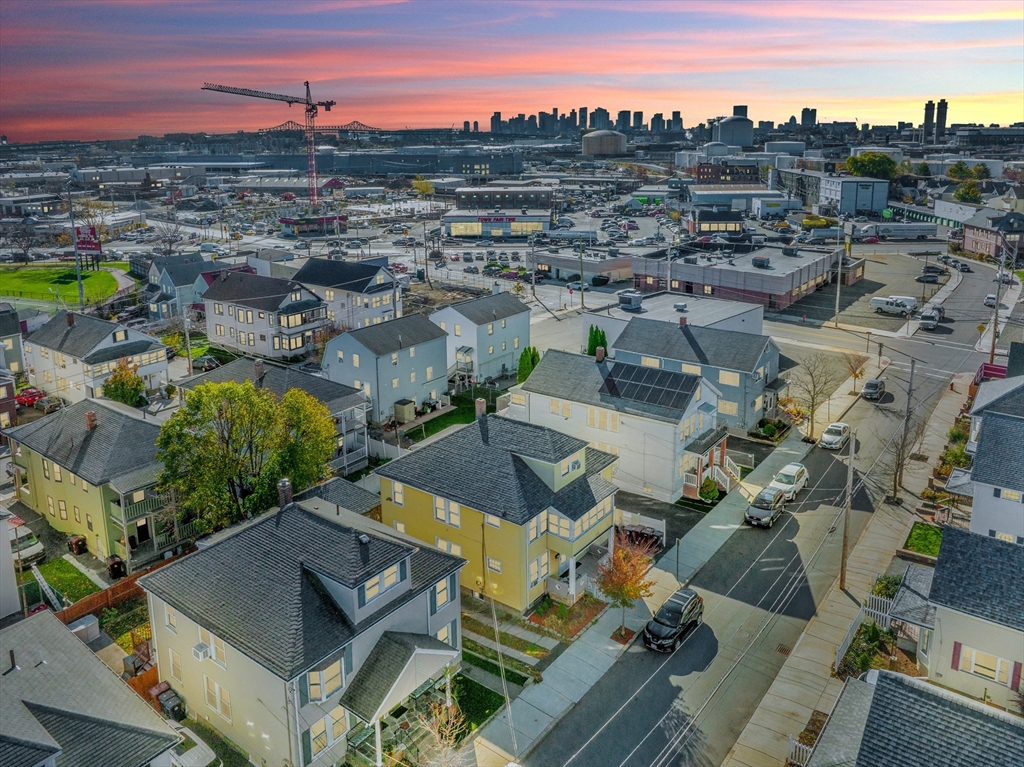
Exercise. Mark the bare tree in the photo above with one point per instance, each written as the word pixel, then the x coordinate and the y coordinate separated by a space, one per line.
pixel 23 238
pixel 899 451
pixel 855 364
pixel 170 235
pixel 447 726
pixel 813 382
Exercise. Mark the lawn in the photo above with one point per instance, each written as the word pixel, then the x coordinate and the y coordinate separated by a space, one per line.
pixel 924 539
pixel 507 640
pixel 67 579
pixel 38 282
pixel 464 412
pixel 481 651
pixel 476 702
pixel 228 753
pixel 491 667
pixel 564 620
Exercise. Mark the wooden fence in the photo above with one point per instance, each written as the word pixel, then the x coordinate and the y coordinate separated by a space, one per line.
pixel 141 684
pixel 122 591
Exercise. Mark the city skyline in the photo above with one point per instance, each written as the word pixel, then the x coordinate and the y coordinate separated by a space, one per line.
pixel 120 68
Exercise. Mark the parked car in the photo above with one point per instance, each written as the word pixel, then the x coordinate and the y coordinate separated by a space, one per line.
pixel 766 507
pixel 835 436
pixel 683 611
pixel 205 363
pixel 28 397
pixel 926 278
pixel 472 270
pixel 870 241
pixel 25 546
pixel 964 267
pixel 49 404
pixel 990 300
pixel 577 286
pixel 873 388
pixel 790 480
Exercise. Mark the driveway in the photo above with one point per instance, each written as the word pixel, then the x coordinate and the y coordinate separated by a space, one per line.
pixel 678 521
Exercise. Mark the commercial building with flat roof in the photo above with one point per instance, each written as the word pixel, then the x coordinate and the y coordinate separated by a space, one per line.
pixel 530 197
pixel 496 223
pixel 832 192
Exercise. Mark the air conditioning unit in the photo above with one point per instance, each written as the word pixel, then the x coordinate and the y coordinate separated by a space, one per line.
pixel 761 262
pixel 757 376
pixel 680 307
pixel 201 651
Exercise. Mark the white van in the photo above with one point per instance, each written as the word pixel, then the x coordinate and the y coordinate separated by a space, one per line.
pixel 909 301
pixel 24 545
pixel 889 306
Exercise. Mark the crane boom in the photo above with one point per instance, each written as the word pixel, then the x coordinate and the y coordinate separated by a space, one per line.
pixel 311 108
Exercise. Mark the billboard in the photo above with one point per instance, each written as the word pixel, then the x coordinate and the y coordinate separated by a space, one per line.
pixel 88 240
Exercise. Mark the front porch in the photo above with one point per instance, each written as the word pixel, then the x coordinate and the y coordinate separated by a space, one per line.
pixel 140 532
pixel 404 731
pixel 707 457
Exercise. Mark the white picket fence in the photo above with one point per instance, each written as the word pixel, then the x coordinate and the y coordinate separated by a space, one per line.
pixel 875 611
pixel 799 754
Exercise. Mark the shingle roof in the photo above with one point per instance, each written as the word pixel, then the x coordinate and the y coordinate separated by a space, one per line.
pixel 580 378
pixel 72 702
pixel 999 458
pixel 276 609
pixel 342 275
pixel 382 668
pixel 497 306
pixel 343 493
pixel 911 602
pixel 279 379
pixel 493 477
pixel 185 274
pixel 9 324
pixel 119 351
pixel 77 340
pixel 122 443
pixel 1000 395
pixel 394 335
pixel 980 576
pixel 839 742
pixel 254 290
pixel 729 349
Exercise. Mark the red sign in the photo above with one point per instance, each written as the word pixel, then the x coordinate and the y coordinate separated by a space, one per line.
pixel 88 242
pixel 496 219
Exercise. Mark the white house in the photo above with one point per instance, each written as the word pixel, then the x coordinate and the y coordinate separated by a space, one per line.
pixel 485 335
pixel 356 294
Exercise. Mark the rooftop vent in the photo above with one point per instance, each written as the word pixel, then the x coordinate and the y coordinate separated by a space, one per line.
pixel 789 250
pixel 364 539
pixel 761 262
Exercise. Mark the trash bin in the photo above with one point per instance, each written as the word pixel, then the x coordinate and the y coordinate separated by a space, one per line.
pixel 420 274
pixel 116 567
pixel 171 705
pixel 77 544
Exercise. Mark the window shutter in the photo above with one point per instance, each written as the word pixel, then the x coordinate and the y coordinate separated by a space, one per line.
pixel 304 689
pixel 433 600
pixel 956 656
pixel 307 748
pixel 453 585
pixel 1015 676
pixel 348 660
pixel 362 596
pixel 402 570
pixel 995 492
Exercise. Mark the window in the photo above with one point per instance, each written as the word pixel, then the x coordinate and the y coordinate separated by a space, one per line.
pixel 218 308
pixel 503 346
pixel 448 633
pixel 758 402
pixel 220 330
pixel 727 408
pixel 561 407
pixel 518 398
pixel 398 493
pixel 691 369
pixel 217 698
pixel 442 596
pixel 446 511
pixel 175 664
pixel 444 326
pixel 448 546
pixel 515 342
pixel 503 323
pixel 252 339
pixel 708 290
pixel 490 350
pixel 380 279
pixel 982 664
pixel 331 677
pixel 400 526
pixel 377 585
pixel 88 521
pixel 394 383
pixel 171 618
pixel 216 645
pixel 494 565
pixel 394 358
pixel 46 472
pixel 539 568
pixel 339 722
pixel 493 521
pixel 538 525
pixel 63 507
pixel 572 463
pixel 412 377
pixel 355 361
pixel 120 335
pixel 696 394
pixel 56 473
pixel 318 736
pixel 727 378
pixel 600 418
pixel 328 295
pixel 78 515
pixel 560 526
pixel 1007 495
pixel 650 362
pixel 49 505
pixel 341 356
pixel 412 351
pixel 490 329
pixel 430 372
pixel 458 329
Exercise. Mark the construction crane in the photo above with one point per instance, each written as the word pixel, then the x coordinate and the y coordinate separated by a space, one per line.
pixel 312 108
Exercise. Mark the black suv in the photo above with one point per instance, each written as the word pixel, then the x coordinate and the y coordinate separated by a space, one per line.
pixel 683 610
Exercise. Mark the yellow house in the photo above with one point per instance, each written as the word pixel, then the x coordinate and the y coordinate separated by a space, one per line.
pixel 521 503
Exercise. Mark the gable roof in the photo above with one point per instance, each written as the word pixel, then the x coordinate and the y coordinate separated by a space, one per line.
pixel 71 704
pixel 1000 395
pixel 497 306
pixel 395 335
pixel 911 602
pixel 343 275
pixel 345 494
pixel 493 477
pixel 580 378
pixel 276 609
pixel 253 290
pixel 121 449
pixel 9 323
pixel 934 726
pixel 279 379
pixel 999 458
pixel 76 340
pixel 729 349
pixel 980 576
pixel 183 275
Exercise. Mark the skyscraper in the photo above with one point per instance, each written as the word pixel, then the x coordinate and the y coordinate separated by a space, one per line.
pixel 583 118
pixel 808 117
pixel 658 123
pixel 496 122
pixel 940 122
pixel 638 121
pixel 600 119
pixel 929 121
pixel 677 122
pixel 622 121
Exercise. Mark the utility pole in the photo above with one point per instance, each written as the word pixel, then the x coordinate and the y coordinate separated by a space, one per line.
pixel 995 309
pixel 839 284
pixel 188 343
pixel 906 424
pixel 583 306
pixel 846 513
pixel 78 260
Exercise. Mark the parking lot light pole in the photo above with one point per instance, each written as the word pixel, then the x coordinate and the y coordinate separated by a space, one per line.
pixel 846 513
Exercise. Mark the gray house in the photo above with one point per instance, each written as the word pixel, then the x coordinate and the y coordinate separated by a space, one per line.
pixel 320 624
pixel 402 361
pixel 744 367
pixel 11 357
pixel 346 404
pixel 171 286
pixel 485 335
pixel 356 294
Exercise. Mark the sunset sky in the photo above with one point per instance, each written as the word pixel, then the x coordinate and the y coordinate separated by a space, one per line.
pixel 116 69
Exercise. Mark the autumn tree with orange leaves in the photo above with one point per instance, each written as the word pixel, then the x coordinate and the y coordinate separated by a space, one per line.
pixel 622 575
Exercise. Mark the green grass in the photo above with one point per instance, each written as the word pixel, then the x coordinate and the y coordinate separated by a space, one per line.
pixel 508 640
pixel 476 702
pixel 229 754
pixel 517 666
pixel 37 282
pixel 492 668
pixel 924 539
pixel 67 579
pixel 464 412
pixel 119 622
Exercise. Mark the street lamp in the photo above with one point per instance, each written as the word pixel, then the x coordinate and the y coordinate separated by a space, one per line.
pixel 74 242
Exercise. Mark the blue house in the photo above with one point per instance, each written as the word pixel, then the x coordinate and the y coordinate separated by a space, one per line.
pixel 402 361
pixel 171 287
pixel 744 367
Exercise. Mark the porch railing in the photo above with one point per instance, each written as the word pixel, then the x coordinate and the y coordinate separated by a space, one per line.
pixel 723 478
pixel 143 507
pixel 690 479
pixel 799 754
pixel 732 468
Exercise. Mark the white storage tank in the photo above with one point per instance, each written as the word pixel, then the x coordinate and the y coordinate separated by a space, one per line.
pixel 604 142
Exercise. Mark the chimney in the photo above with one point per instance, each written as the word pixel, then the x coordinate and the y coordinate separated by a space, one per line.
pixel 257 371
pixel 682 322
pixel 284 492
pixel 90 420
pixel 600 354
pixel 223 275
pixel 70 318
pixel 481 407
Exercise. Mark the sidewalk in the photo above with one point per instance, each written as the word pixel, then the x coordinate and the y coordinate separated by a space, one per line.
pixel 805 683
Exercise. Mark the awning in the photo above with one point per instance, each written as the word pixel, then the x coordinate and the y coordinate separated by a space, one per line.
pixel 911 604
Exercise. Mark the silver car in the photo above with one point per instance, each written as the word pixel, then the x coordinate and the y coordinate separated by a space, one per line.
pixel 766 507
pixel 835 436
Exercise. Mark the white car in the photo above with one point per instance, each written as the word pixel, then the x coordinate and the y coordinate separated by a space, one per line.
pixel 990 300
pixel 25 547
pixel 791 480
pixel 835 436
pixel 577 286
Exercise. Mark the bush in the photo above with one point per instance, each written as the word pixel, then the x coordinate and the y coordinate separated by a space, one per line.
pixel 769 431
pixel 709 490
pixel 170 390
pixel 887 586
pixel 959 433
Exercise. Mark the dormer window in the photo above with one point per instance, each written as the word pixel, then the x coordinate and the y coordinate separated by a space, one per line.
pixel 378 584
pixel 380 279
pixel 297 296
pixel 571 464
pixel 120 335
